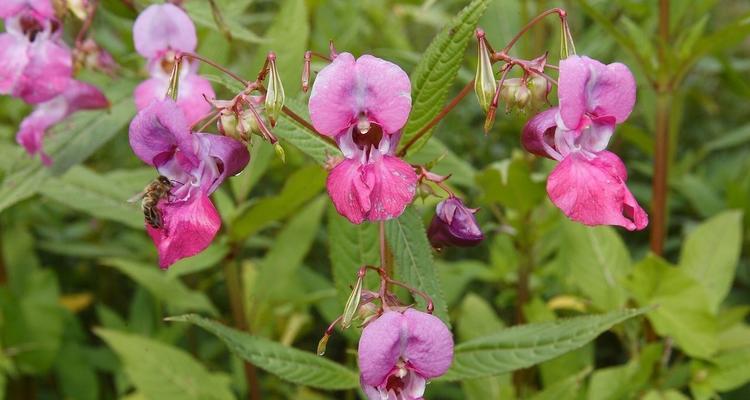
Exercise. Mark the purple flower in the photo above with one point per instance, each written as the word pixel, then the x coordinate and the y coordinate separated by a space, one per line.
pixel 588 184
pixel 36 65
pixel 40 9
pixel 454 224
pixel 159 33
pixel 196 164
pixel 77 96
pixel 363 104
pixel 398 352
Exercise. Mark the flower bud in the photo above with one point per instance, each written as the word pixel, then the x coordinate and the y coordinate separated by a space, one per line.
pixel 274 91
pixel 454 224
pixel 539 88
pixel 280 152
pixel 227 124
pixel 485 84
pixel 522 97
pixel 352 304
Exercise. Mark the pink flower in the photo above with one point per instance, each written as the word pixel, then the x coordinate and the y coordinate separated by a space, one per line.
pixel 40 9
pixel 36 65
pixel 77 96
pixel 588 184
pixel 363 104
pixel 159 33
pixel 398 352
pixel 196 164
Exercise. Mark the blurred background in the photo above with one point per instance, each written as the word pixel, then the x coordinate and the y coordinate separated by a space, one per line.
pixel 75 256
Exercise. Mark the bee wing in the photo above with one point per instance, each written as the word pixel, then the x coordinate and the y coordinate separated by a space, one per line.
pixel 137 197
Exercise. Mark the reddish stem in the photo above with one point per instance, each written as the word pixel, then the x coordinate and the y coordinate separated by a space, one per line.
pixel 215 65
pixel 91 11
pixel 559 11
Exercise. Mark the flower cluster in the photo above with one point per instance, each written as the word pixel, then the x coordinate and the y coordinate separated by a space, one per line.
pixel 161 32
pixel 37 67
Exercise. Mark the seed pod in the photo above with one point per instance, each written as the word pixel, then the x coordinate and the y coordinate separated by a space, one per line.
pixel 485 84
pixel 274 91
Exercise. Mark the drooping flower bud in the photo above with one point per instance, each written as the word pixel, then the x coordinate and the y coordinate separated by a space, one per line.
pixel 539 88
pixel 454 224
pixel 485 84
pixel 274 91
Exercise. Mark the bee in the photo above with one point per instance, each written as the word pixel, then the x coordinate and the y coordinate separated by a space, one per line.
pixel 155 191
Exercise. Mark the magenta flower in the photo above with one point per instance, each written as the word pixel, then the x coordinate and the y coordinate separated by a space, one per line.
pixel 196 164
pixel 159 33
pixel 37 65
pixel 454 224
pixel 398 352
pixel 77 96
pixel 588 184
pixel 363 104
pixel 40 9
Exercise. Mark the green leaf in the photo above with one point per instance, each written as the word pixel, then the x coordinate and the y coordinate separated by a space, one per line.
pixel 436 71
pixel 526 345
pixel 461 172
pixel 163 372
pixel 200 13
pixel 683 311
pixel 71 143
pixel 84 190
pixel 727 370
pixel 300 187
pixel 168 289
pixel 597 262
pixel 509 183
pixel 564 389
pixel 288 363
pixel 711 252
pixel 625 381
pixel 301 137
pixel 413 256
pixel 351 246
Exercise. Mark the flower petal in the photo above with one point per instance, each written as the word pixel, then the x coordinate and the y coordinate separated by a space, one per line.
pixel 161 27
pixel 332 106
pixel 429 346
pixel 189 227
pixel 42 8
pixel 571 90
pixel 538 135
pixel 14 59
pixel 227 156
pixel 385 91
pixel 349 192
pixel 394 184
pixel 34 127
pixel 612 91
pixel 149 90
pixel 158 130
pixel 380 347
pixel 83 96
pixel 593 191
pixel 48 72
pixel 191 98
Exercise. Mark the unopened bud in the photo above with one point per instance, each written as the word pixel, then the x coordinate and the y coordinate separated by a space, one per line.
pixel 306 71
pixel 539 88
pixel 454 224
pixel 274 91
pixel 485 84
pixel 523 95
pixel 322 344
pixel 352 304
pixel 280 152
pixel 227 124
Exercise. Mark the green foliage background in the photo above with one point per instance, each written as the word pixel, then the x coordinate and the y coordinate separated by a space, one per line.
pixel 83 304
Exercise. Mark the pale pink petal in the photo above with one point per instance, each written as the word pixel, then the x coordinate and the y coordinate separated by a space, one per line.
pixel 34 127
pixel 47 73
pixel 158 131
pixel 191 98
pixel 332 105
pixel 14 59
pixel 429 347
pixel 595 136
pixel 612 92
pixel 414 385
pixel 380 347
pixel 149 90
pixel 571 90
pixel 349 191
pixel 371 392
pixel 9 8
pixel 189 227
pixel 539 134
pixel 42 9
pixel 385 91
pixel 226 155
pixel 593 192
pixel 84 96
pixel 161 27
pixel 393 188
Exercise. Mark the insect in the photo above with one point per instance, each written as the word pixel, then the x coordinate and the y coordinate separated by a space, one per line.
pixel 156 190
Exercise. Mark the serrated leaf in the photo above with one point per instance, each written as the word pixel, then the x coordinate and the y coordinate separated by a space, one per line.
pixel 170 290
pixel 412 254
pixel 711 252
pixel 71 142
pixel 288 363
pixel 200 13
pixel 309 142
pixel 436 71
pixel 163 372
pixel 527 345
pixel 84 190
pixel 300 187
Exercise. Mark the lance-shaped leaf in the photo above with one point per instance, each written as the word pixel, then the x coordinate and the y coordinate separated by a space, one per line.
pixel 527 345
pixel 288 363
pixel 436 71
